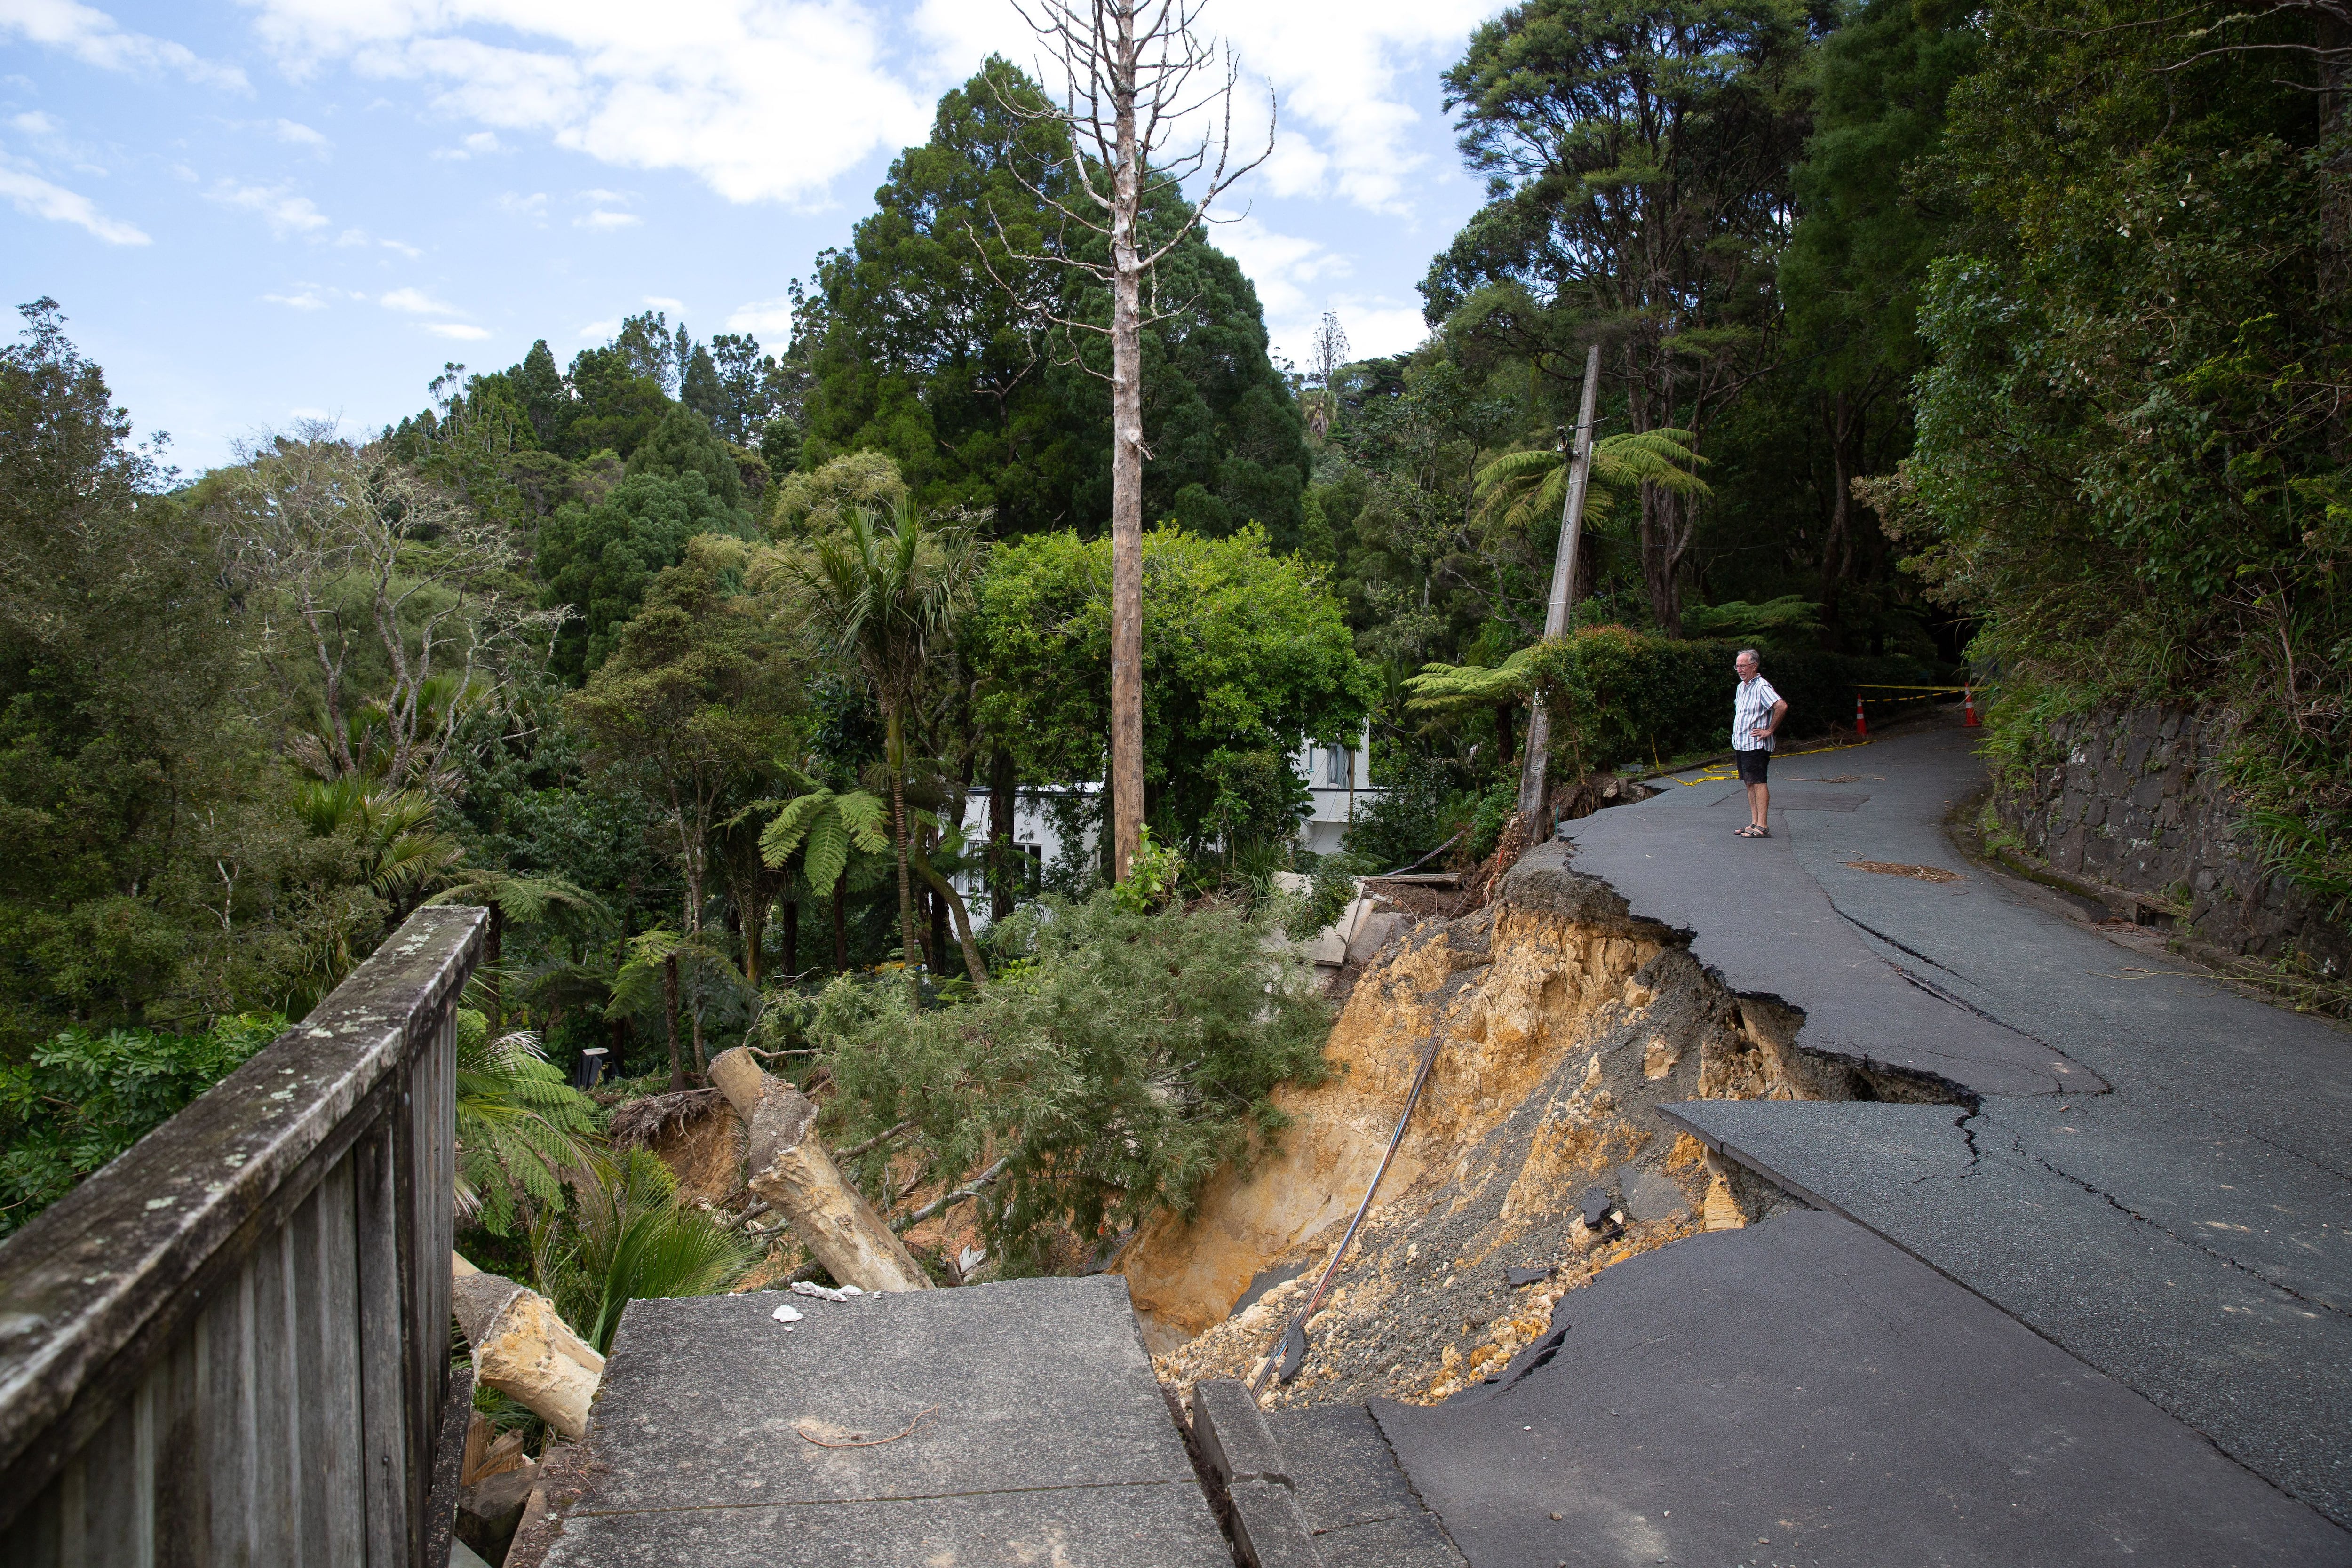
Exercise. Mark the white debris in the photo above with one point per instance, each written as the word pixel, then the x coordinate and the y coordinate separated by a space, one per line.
pixel 788 1313
pixel 823 1293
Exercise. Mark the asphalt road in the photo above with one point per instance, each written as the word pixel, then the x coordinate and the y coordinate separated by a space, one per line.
pixel 2148 1168
pixel 1801 1392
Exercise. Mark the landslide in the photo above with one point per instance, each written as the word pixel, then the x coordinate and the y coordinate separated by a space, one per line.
pixel 1562 1023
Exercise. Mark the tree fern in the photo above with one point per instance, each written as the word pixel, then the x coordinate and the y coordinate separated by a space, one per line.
pixel 522 1131
pixel 1523 489
pixel 1447 688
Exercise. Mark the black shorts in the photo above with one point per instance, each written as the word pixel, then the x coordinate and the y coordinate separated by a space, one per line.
pixel 1753 765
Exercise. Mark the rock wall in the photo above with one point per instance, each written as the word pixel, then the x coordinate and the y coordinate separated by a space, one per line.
pixel 2137 799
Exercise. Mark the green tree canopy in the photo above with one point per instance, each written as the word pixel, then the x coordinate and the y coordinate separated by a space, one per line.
pixel 1638 157
pixel 1244 651
pixel 155 873
pixel 683 444
pixel 599 560
pixel 924 354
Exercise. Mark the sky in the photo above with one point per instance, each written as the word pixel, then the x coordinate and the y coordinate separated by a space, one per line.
pixel 259 212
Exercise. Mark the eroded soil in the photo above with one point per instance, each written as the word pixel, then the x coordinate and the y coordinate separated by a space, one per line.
pixel 1562 1024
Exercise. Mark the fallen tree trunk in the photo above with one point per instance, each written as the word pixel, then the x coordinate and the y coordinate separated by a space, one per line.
pixel 523 1350
pixel 791 1170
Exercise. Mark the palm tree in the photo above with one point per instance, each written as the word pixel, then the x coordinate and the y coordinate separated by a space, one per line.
pixel 633 1238
pixel 886 595
pixel 401 848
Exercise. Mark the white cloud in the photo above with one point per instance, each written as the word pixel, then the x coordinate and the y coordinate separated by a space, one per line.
pixel 297 134
pixel 1375 329
pixel 457 330
pixel 763 318
pixel 36 197
pixel 1342 71
pixel 410 251
pixel 533 207
pixel 277 205
pixel 761 100
pixel 93 38
pixel 416 302
pixel 351 237
pixel 34 125
pixel 1284 267
pixel 479 145
pixel 308 299
pixel 664 302
pixel 602 219
pixel 775 100
pixel 597 331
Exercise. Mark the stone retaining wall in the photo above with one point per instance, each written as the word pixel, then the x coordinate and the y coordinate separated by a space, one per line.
pixel 2138 802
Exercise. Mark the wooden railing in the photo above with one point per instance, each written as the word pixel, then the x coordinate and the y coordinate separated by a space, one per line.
pixel 232 1344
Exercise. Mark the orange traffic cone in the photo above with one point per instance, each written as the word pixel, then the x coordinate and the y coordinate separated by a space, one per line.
pixel 1969 705
pixel 1861 725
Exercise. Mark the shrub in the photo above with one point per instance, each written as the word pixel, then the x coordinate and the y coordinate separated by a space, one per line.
pixel 1415 811
pixel 1619 697
pixel 1125 1057
pixel 86 1097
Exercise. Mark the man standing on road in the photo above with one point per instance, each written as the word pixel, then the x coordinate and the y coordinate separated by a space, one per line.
pixel 1756 713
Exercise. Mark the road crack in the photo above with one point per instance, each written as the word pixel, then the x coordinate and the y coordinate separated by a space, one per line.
pixel 2194 1243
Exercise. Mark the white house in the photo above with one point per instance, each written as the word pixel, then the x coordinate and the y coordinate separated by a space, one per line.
pixel 1339 780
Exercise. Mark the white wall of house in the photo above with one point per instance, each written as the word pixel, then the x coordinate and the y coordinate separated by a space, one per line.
pixel 1339 780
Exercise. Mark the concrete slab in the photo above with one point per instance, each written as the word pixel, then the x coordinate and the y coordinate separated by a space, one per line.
pixel 990 1421
pixel 1802 1391
pixel 1363 1511
pixel 1070 1527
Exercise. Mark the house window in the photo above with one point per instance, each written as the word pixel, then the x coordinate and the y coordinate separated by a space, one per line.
pixel 1336 772
pixel 1033 866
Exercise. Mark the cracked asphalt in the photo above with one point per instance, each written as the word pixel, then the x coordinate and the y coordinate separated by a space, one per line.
pixel 2150 1169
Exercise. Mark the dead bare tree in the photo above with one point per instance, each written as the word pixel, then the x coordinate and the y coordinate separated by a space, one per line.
pixel 1325 354
pixel 381 600
pixel 1132 77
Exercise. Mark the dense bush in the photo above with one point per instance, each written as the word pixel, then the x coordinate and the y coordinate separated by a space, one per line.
pixel 85 1097
pixel 1112 1069
pixel 1620 697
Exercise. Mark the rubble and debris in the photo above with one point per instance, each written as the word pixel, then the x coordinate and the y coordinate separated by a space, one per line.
pixel 825 1292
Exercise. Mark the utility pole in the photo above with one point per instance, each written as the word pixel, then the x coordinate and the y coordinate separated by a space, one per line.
pixel 1563 597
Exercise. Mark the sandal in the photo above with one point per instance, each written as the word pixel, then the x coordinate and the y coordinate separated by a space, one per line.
pixel 1752 831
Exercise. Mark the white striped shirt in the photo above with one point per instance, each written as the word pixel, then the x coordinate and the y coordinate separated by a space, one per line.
pixel 1752 702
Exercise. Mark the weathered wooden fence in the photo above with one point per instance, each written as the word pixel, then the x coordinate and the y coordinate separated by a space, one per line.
pixel 231 1346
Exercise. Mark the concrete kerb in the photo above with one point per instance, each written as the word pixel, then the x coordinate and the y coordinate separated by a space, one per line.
pixel 1242 1453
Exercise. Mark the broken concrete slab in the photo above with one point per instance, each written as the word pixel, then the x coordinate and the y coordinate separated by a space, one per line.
pixel 1363 1511
pixel 1268 1530
pixel 1233 1436
pixel 1803 1391
pixel 988 1421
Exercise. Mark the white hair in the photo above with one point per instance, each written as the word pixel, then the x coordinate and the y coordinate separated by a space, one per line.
pixel 1746 653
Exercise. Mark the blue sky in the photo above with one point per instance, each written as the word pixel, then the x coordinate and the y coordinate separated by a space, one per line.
pixel 259 212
